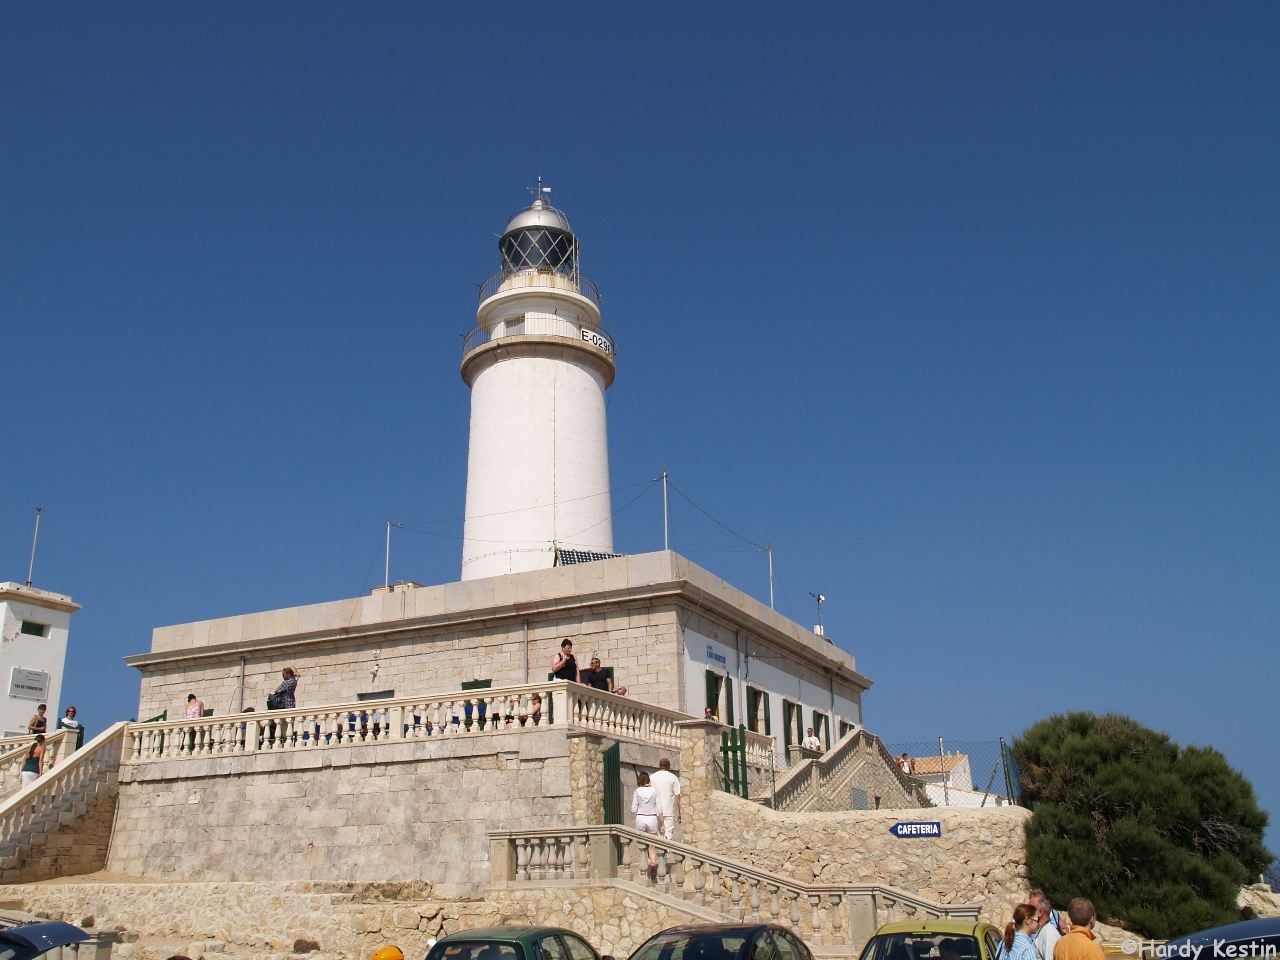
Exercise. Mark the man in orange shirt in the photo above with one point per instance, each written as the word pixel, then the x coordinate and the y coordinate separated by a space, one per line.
pixel 1079 943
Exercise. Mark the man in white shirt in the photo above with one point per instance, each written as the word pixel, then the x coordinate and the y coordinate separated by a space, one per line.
pixel 1049 934
pixel 811 742
pixel 668 787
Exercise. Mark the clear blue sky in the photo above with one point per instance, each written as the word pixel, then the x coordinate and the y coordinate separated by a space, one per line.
pixel 970 310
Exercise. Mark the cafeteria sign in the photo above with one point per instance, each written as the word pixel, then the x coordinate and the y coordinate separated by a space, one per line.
pixel 926 829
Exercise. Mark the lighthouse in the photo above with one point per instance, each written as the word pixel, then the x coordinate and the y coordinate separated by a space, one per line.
pixel 538 365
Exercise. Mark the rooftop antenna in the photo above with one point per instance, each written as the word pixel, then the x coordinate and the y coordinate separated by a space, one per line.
pixel 821 600
pixel 386 576
pixel 768 548
pixel 538 191
pixel 34 540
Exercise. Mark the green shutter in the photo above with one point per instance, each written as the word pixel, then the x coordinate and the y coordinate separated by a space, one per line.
pixel 613 784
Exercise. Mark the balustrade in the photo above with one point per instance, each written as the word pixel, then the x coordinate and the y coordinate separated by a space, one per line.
pixel 434 717
pixel 825 914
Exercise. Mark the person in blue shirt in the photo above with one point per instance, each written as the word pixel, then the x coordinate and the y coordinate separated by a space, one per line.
pixel 1019 935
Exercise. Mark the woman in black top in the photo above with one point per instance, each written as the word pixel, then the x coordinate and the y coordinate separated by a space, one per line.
pixel 563 665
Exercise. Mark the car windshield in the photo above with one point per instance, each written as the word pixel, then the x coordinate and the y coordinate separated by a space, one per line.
pixel 476 950
pixel 698 945
pixel 921 946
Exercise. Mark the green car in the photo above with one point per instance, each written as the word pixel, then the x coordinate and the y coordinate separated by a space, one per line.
pixel 933 940
pixel 514 943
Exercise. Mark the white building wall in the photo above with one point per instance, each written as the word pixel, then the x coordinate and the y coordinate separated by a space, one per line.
pixel 44 657
pixel 742 663
pixel 538 466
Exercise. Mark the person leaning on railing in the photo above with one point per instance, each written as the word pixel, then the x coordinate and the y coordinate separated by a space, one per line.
pixel 69 722
pixel 33 766
pixel 284 696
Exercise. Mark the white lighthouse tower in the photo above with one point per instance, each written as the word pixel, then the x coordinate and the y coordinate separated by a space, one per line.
pixel 538 365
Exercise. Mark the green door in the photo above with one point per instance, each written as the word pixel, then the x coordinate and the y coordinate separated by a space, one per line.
pixel 613 784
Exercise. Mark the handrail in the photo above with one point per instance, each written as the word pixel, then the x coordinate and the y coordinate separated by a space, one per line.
pixel 719 883
pixel 812 774
pixel 100 755
pixel 539 278
pixel 433 717
pixel 537 325
pixel 11 760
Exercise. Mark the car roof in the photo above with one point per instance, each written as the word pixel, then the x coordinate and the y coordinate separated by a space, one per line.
pixel 720 928
pixel 511 932
pixel 43 936
pixel 1233 932
pixel 939 925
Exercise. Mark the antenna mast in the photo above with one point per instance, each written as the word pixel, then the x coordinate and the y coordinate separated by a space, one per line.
pixel 34 540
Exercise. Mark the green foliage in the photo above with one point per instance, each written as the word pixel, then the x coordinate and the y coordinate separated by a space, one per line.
pixel 1159 837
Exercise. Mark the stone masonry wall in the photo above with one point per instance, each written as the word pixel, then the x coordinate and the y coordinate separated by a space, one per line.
pixel 640 643
pixel 351 921
pixel 393 811
pixel 68 849
pixel 980 857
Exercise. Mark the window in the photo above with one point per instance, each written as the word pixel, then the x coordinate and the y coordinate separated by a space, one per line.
pixel 757 711
pixel 789 714
pixel 821 728
pixel 845 727
pixel 714 683
pixel 550 948
pixel 33 629
pixel 578 949
pixel 380 695
pixel 789 948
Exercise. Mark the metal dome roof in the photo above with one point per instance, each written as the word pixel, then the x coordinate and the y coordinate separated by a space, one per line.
pixel 540 214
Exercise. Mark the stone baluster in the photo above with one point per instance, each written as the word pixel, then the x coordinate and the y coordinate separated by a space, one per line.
pixel 735 896
pixel 678 868
pixel 836 916
pixel 536 871
pixel 753 885
pixel 522 858
pixel 773 905
pixel 716 887
pixel 624 866
pixel 699 882
pixel 815 902
pixel 557 869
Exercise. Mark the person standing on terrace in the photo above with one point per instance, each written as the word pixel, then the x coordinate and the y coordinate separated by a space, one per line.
pixel 33 766
pixel 564 666
pixel 596 676
pixel 38 723
pixel 285 694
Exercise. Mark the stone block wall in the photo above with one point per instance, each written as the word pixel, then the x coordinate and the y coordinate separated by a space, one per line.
pixel 980 857
pixel 70 848
pixel 639 641
pixel 352 921
pixel 394 811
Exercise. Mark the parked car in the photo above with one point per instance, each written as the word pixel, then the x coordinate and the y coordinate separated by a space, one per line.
pixel 1248 938
pixel 36 939
pixel 513 943
pixel 724 941
pixel 933 940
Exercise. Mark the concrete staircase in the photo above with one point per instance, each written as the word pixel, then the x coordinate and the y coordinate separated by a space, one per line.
pixel 859 761
pixel 61 824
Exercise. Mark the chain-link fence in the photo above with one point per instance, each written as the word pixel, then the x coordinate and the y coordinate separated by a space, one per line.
pixel 960 773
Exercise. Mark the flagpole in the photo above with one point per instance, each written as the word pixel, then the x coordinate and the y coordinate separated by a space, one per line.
pixel 34 540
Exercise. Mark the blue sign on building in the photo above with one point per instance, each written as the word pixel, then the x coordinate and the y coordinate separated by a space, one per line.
pixel 925 829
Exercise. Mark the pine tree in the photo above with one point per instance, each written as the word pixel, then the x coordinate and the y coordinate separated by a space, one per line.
pixel 1159 837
